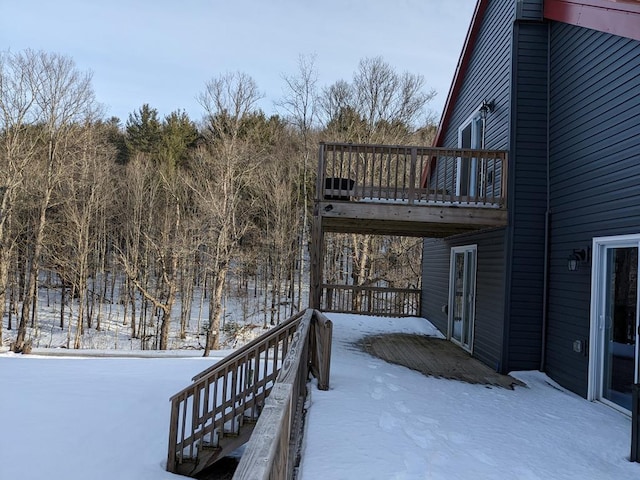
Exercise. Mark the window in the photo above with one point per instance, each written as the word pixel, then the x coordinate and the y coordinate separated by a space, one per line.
pixel 473 176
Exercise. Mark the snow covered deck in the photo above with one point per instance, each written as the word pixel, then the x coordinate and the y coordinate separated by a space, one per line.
pixel 384 421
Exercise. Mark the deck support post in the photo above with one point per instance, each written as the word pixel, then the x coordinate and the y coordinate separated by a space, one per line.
pixel 317 261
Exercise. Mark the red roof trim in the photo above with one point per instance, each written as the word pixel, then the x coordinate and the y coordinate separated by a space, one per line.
pixel 618 17
pixel 461 68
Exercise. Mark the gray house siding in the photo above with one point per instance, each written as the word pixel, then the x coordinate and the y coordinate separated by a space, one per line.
pixel 435 281
pixel 489 313
pixel 595 175
pixel 527 197
pixel 509 67
pixel 487 78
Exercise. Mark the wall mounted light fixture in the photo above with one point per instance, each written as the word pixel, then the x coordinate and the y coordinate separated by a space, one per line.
pixel 578 256
pixel 486 107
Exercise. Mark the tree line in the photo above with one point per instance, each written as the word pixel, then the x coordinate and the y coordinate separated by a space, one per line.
pixel 162 206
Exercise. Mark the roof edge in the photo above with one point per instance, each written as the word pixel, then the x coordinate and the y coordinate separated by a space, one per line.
pixel 617 17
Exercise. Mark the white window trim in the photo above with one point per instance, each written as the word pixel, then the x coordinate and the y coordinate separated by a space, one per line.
pixel 596 322
pixel 475 140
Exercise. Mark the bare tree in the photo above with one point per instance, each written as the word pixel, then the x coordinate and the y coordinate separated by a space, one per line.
pixel 18 113
pixel 300 104
pixel 225 167
pixel 64 99
pixel 378 106
pixel 82 193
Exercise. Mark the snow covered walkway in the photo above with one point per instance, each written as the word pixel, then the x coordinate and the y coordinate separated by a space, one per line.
pixel 384 421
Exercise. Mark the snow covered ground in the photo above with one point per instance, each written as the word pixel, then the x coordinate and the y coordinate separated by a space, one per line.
pixel 384 421
pixel 107 418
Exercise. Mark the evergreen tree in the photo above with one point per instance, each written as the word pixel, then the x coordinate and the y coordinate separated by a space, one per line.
pixel 144 132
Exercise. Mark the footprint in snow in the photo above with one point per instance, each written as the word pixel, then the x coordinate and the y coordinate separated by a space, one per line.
pixel 388 422
pixel 377 393
pixel 402 408
pixel 483 457
pixel 392 387
pixel 421 438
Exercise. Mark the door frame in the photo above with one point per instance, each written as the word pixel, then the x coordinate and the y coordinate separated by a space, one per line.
pixel 596 320
pixel 451 301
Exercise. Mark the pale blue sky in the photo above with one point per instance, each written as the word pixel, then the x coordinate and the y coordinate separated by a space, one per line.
pixel 162 52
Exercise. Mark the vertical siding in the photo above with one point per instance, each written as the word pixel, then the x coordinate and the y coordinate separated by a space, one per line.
pixel 595 175
pixel 527 197
pixel 489 287
pixel 435 281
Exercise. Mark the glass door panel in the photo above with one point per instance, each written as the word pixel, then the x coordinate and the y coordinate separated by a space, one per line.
pixel 462 295
pixel 620 324
pixel 458 296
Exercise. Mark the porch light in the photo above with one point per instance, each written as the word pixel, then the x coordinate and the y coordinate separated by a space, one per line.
pixel 578 255
pixel 485 108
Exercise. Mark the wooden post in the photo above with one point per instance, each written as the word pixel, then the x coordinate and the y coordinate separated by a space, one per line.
pixel 317 238
pixel 317 261
pixel 173 436
pixel 412 176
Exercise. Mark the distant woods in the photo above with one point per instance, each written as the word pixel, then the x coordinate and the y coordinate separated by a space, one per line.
pixel 160 213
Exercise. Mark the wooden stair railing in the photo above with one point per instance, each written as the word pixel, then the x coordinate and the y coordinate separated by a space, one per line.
pixel 273 452
pixel 218 412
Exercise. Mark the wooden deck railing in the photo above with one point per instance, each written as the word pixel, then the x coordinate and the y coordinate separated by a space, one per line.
pixel 234 390
pixel 393 302
pixel 271 452
pixel 383 173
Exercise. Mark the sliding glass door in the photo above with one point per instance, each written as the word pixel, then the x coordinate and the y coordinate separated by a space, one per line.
pixel 462 294
pixel 614 332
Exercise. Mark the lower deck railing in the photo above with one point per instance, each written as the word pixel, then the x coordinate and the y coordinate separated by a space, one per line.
pixel 235 390
pixel 391 302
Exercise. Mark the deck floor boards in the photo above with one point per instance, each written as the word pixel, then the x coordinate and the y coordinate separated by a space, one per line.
pixel 435 357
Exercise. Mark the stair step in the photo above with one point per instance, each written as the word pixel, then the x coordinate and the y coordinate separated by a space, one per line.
pixel 209 446
pixel 191 460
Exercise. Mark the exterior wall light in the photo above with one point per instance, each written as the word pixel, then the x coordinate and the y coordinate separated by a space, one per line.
pixel 578 256
pixel 486 107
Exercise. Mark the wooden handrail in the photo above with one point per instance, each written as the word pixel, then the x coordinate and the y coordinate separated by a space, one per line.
pixel 462 176
pixel 270 454
pixel 249 346
pixel 224 394
pixel 237 388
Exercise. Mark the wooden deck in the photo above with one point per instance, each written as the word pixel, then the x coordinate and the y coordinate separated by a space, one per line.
pixel 435 357
pixel 404 191
pixel 417 220
pixel 410 191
